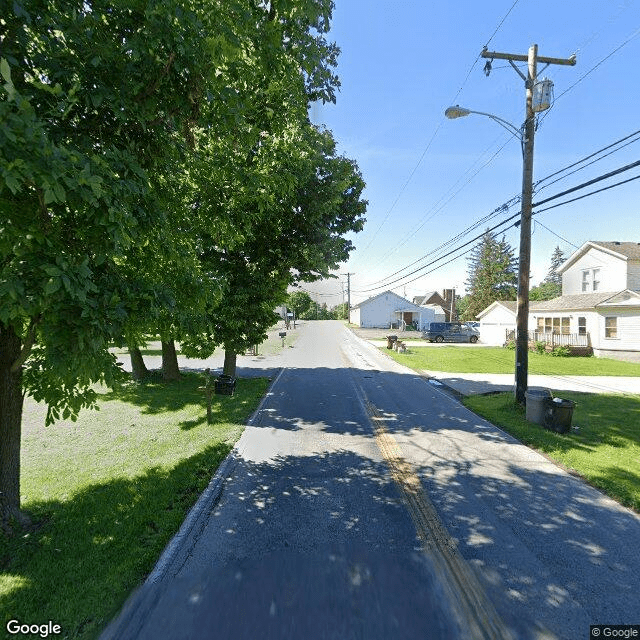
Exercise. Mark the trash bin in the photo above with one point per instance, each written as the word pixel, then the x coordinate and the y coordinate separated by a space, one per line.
pixel 535 404
pixel 225 385
pixel 558 414
pixel 390 341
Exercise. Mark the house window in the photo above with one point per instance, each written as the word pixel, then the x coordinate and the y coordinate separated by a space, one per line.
pixel 590 280
pixel 611 327
pixel 582 326
pixel 555 325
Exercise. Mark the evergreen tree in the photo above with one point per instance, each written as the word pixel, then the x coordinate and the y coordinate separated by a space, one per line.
pixel 551 286
pixel 557 258
pixel 492 274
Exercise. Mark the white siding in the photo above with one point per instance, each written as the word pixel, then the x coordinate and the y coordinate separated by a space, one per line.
pixel 379 312
pixel 628 329
pixel 612 275
pixel 494 325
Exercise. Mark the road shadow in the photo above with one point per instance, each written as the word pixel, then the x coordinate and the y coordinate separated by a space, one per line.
pixel 567 557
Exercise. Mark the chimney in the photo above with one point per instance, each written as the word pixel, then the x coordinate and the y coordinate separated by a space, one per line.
pixel 449 296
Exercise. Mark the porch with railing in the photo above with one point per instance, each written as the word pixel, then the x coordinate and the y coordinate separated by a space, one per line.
pixel 577 342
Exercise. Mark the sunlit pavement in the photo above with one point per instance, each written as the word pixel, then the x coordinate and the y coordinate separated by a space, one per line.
pixel 362 502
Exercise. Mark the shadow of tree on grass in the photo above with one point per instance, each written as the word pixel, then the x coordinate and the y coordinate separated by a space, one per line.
pixel 78 566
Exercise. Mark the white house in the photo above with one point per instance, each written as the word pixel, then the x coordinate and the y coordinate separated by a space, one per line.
pixel 599 305
pixel 388 310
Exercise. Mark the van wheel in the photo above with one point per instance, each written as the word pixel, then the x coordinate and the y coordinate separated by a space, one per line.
pixel 439 339
pixel 473 339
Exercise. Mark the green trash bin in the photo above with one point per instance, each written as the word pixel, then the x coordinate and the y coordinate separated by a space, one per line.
pixel 535 400
pixel 558 414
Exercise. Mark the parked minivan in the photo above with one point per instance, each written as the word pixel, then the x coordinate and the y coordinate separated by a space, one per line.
pixel 450 332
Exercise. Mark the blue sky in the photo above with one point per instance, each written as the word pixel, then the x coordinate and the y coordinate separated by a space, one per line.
pixel 429 178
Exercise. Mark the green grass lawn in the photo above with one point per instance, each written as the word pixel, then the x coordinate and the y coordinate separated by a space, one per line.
pixel 605 450
pixel 107 493
pixel 499 360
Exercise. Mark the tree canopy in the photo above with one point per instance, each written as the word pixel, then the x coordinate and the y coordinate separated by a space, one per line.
pixel 157 170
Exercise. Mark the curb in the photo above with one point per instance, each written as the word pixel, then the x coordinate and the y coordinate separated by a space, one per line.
pixel 131 615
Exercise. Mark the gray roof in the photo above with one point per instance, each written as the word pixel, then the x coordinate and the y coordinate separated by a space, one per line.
pixel 368 300
pixel 628 249
pixel 566 303
pixel 422 299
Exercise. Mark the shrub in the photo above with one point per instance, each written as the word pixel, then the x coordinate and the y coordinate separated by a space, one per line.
pixel 561 352
pixel 510 344
pixel 541 347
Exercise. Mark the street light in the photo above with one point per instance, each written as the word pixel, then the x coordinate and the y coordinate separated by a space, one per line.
pixel 460 112
pixel 525 135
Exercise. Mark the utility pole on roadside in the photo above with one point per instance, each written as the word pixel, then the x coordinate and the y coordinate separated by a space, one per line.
pixel 348 295
pixel 524 260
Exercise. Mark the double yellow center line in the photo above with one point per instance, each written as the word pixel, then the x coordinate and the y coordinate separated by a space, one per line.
pixel 476 615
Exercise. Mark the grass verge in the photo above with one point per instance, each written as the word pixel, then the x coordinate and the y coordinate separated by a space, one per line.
pixel 605 449
pixel 499 360
pixel 107 493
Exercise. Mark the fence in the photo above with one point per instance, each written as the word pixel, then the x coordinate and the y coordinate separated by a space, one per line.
pixel 554 339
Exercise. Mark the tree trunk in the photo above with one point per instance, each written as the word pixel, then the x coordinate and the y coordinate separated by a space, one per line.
pixel 11 401
pixel 229 368
pixel 170 369
pixel 138 367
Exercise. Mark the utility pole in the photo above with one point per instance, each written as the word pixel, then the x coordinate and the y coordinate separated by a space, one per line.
pixel 348 295
pixel 524 260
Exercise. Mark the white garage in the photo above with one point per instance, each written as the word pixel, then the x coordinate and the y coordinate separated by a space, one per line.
pixel 498 318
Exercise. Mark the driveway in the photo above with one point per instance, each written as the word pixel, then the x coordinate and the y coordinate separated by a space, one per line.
pixel 362 502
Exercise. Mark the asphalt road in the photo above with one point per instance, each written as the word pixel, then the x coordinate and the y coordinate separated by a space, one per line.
pixel 362 502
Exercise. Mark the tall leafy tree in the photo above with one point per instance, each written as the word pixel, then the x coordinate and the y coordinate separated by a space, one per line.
pixel 299 236
pixel 289 63
pixel 492 274
pixel 95 97
pixel 299 302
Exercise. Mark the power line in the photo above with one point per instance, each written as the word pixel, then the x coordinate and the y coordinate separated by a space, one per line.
pixel 635 134
pixel 591 193
pixel 589 183
pixel 590 71
pixel 500 25
pixel 610 174
pixel 507 205
pixel 556 235
pixel 435 133
pixel 434 211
